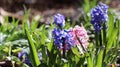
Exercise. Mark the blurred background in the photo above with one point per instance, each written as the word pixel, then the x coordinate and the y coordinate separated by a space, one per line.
pixel 47 8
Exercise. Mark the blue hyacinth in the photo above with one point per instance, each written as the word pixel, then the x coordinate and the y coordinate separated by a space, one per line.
pixel 59 20
pixel 61 36
pixel 25 55
pixel 99 16
pixel 57 35
pixel 68 39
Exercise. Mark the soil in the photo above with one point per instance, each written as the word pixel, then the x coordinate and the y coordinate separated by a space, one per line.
pixel 45 8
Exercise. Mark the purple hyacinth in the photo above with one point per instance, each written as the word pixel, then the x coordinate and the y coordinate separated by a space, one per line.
pixel 57 35
pixel 68 39
pixel 61 36
pixel 25 55
pixel 59 20
pixel 99 15
pixel 40 56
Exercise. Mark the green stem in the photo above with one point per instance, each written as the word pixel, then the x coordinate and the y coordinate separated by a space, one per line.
pixel 104 34
pixel 13 63
pixel 64 48
pixel 104 40
pixel 118 31
pixel 96 38
pixel 9 53
pixel 96 44
pixel 100 39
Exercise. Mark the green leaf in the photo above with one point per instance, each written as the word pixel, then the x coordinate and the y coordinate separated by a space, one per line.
pixel 33 25
pixel 110 25
pixel 1 47
pixel 111 40
pixel 17 50
pixel 76 52
pixel 33 51
pixel 100 58
pixel 43 34
pixel 49 46
pixel 44 56
pixel 25 65
pixel 80 61
pixel 86 6
pixel 89 61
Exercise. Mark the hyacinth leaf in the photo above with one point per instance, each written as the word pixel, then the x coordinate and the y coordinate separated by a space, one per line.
pixel 86 5
pixel 80 61
pixel 100 58
pixel 16 50
pixel 111 40
pixel 44 53
pixel 1 47
pixel 89 61
pixel 33 52
pixel 25 65
pixel 43 37
pixel 110 25
pixel 26 16
pixel 50 45
pixel 77 59
pixel 93 3
pixel 119 31
pixel 116 40
pixel 33 25
pixel 36 38
pixel 76 52
pixel 42 34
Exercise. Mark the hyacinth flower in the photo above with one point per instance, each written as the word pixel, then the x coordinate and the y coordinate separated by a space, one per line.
pixel 79 38
pixel 99 16
pixel 23 56
pixel 99 20
pixel 59 20
pixel 63 40
pixel 40 56
pixel 61 36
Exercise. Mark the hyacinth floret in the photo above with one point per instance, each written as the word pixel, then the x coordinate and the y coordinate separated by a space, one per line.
pixel 60 35
pixel 25 55
pixel 59 20
pixel 79 33
pixel 99 16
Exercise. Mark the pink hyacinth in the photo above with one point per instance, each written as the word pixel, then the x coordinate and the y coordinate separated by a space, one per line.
pixel 79 33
